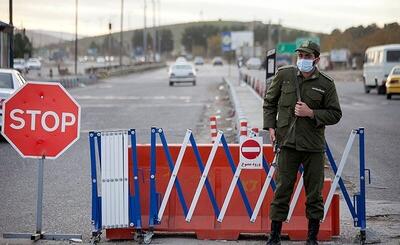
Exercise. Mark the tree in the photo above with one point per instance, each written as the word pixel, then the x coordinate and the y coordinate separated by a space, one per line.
pixel 22 45
pixel 214 45
pixel 197 36
pixel 137 39
pixel 110 45
pixel 167 40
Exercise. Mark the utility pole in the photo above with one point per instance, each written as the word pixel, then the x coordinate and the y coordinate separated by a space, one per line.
pixel 121 33
pixel 109 44
pixel 269 46
pixel 11 53
pixel 154 31
pixel 279 30
pixel 76 37
pixel 145 33
pixel 159 25
pixel 254 38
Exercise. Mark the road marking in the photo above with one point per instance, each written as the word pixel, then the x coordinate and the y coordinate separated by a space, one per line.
pixel 140 105
pixel 91 97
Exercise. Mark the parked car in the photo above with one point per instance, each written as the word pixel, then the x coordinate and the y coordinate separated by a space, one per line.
pixel 33 64
pixel 10 81
pixel 378 62
pixel 19 65
pixel 100 59
pixel 217 61
pixel 180 59
pixel 253 63
pixel 182 72
pixel 198 60
pixel 393 82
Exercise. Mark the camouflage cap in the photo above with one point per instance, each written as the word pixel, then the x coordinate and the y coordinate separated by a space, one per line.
pixel 309 47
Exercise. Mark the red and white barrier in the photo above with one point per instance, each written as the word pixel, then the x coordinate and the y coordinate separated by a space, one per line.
pixel 213 128
pixel 254 132
pixel 243 129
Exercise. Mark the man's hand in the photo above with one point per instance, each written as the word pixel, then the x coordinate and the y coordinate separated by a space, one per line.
pixel 302 110
pixel 272 135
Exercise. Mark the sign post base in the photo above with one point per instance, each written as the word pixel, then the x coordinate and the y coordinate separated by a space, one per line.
pixel 39 235
pixel 42 236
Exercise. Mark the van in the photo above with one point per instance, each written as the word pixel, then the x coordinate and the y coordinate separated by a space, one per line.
pixel 378 62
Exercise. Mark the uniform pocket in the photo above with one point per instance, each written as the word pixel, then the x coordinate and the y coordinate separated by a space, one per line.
pixel 283 119
pixel 313 99
pixel 288 95
pixel 314 95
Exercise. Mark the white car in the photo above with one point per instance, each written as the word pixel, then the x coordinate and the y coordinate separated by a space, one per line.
pixel 10 81
pixel 100 59
pixel 253 63
pixel 182 72
pixel 378 62
pixel 33 64
pixel 19 65
pixel 180 59
pixel 198 60
pixel 217 61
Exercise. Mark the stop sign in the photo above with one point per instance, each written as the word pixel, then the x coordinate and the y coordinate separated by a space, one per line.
pixel 41 120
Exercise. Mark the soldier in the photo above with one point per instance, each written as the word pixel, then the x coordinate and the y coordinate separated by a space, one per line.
pixel 298 105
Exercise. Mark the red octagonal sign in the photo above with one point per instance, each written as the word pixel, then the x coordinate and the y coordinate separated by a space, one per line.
pixel 41 120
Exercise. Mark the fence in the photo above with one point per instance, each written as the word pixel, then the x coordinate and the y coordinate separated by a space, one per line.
pixel 153 175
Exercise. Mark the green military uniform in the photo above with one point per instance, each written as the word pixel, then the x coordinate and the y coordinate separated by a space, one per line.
pixel 304 143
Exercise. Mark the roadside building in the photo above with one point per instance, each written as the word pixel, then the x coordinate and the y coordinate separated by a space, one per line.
pixel 5 31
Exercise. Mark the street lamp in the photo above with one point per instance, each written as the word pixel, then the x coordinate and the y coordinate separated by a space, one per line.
pixel 121 35
pixel 109 44
pixel 145 33
pixel 11 36
pixel 76 37
pixel 154 31
pixel 159 26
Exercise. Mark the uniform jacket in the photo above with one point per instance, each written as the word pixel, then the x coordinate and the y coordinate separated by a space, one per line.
pixel 318 92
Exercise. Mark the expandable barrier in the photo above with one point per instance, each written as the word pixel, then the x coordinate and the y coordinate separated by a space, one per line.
pixel 169 194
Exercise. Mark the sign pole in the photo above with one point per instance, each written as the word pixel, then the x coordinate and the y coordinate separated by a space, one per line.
pixel 66 126
pixel 39 203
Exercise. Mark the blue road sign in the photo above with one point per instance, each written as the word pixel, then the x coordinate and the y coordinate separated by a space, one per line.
pixel 226 39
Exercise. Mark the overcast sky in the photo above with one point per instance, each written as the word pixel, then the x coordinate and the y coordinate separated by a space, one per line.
pixel 94 15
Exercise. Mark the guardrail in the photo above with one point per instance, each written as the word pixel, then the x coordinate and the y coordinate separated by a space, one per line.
pixel 239 115
pixel 116 70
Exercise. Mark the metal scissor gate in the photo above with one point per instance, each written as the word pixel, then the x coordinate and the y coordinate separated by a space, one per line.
pixel 119 205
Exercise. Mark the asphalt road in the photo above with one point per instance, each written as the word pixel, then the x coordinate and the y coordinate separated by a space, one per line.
pixel 136 101
pixel 142 100
pixel 381 119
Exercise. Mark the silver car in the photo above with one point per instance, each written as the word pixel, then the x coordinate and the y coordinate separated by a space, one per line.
pixel 182 72
pixel 10 81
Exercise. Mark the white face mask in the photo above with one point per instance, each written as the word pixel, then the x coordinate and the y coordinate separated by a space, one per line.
pixel 305 65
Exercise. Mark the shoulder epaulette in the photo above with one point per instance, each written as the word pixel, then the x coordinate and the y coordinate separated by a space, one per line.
pixel 286 67
pixel 326 76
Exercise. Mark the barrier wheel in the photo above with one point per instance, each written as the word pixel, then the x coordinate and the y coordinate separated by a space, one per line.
pixel 138 237
pixel 95 239
pixel 148 237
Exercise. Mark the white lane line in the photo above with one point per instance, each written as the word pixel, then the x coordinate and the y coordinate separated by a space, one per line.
pixel 108 97
pixel 139 105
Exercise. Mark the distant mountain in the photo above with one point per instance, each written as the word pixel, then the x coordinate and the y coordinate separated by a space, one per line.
pixel 287 34
pixel 40 38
